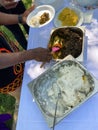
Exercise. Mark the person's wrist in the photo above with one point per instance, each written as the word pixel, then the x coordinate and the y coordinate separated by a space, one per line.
pixel 20 18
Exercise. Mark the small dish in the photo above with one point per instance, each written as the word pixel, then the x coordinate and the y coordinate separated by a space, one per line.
pixel 78 12
pixel 33 19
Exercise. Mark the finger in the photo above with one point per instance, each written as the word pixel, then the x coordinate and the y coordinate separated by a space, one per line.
pixel 30 9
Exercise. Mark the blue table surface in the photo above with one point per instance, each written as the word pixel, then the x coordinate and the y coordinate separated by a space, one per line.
pixel 83 118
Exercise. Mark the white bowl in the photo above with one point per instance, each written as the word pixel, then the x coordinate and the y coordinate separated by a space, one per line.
pixel 38 12
pixel 58 23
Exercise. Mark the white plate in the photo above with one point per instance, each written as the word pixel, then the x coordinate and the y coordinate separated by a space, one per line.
pixel 38 12
pixel 58 23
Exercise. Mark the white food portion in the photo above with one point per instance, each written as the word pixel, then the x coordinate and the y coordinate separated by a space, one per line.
pixel 72 84
pixel 35 21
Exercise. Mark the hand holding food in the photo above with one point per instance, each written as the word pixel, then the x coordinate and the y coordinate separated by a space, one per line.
pixel 41 54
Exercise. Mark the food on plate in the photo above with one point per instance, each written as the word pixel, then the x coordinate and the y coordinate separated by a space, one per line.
pixel 68 17
pixel 44 18
pixel 34 21
pixel 39 19
pixel 66 41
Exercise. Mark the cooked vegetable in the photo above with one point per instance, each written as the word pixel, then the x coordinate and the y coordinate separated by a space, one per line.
pixel 7 107
pixel 7 103
pixel 44 18
pixel 68 40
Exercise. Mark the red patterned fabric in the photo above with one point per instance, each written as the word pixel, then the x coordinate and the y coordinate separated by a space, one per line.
pixel 11 77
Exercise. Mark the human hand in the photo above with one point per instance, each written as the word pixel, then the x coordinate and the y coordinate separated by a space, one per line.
pixel 26 13
pixel 41 54
pixel 8 4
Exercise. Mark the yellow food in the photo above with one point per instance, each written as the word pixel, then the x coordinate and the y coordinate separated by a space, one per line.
pixel 68 17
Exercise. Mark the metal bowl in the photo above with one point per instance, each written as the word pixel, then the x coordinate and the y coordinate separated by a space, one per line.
pixel 67 82
pixel 69 40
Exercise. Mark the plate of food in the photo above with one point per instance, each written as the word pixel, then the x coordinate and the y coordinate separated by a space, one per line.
pixel 41 16
pixel 67 41
pixel 68 16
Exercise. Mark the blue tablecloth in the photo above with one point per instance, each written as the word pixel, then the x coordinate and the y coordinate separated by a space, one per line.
pixel 83 118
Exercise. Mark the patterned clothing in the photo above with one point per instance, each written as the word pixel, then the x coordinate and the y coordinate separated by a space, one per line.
pixel 15 28
pixel 11 77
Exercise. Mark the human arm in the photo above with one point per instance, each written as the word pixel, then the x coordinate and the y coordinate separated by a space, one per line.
pixel 8 19
pixel 38 54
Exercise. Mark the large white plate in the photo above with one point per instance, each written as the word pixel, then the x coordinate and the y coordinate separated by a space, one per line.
pixel 38 12
pixel 58 23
